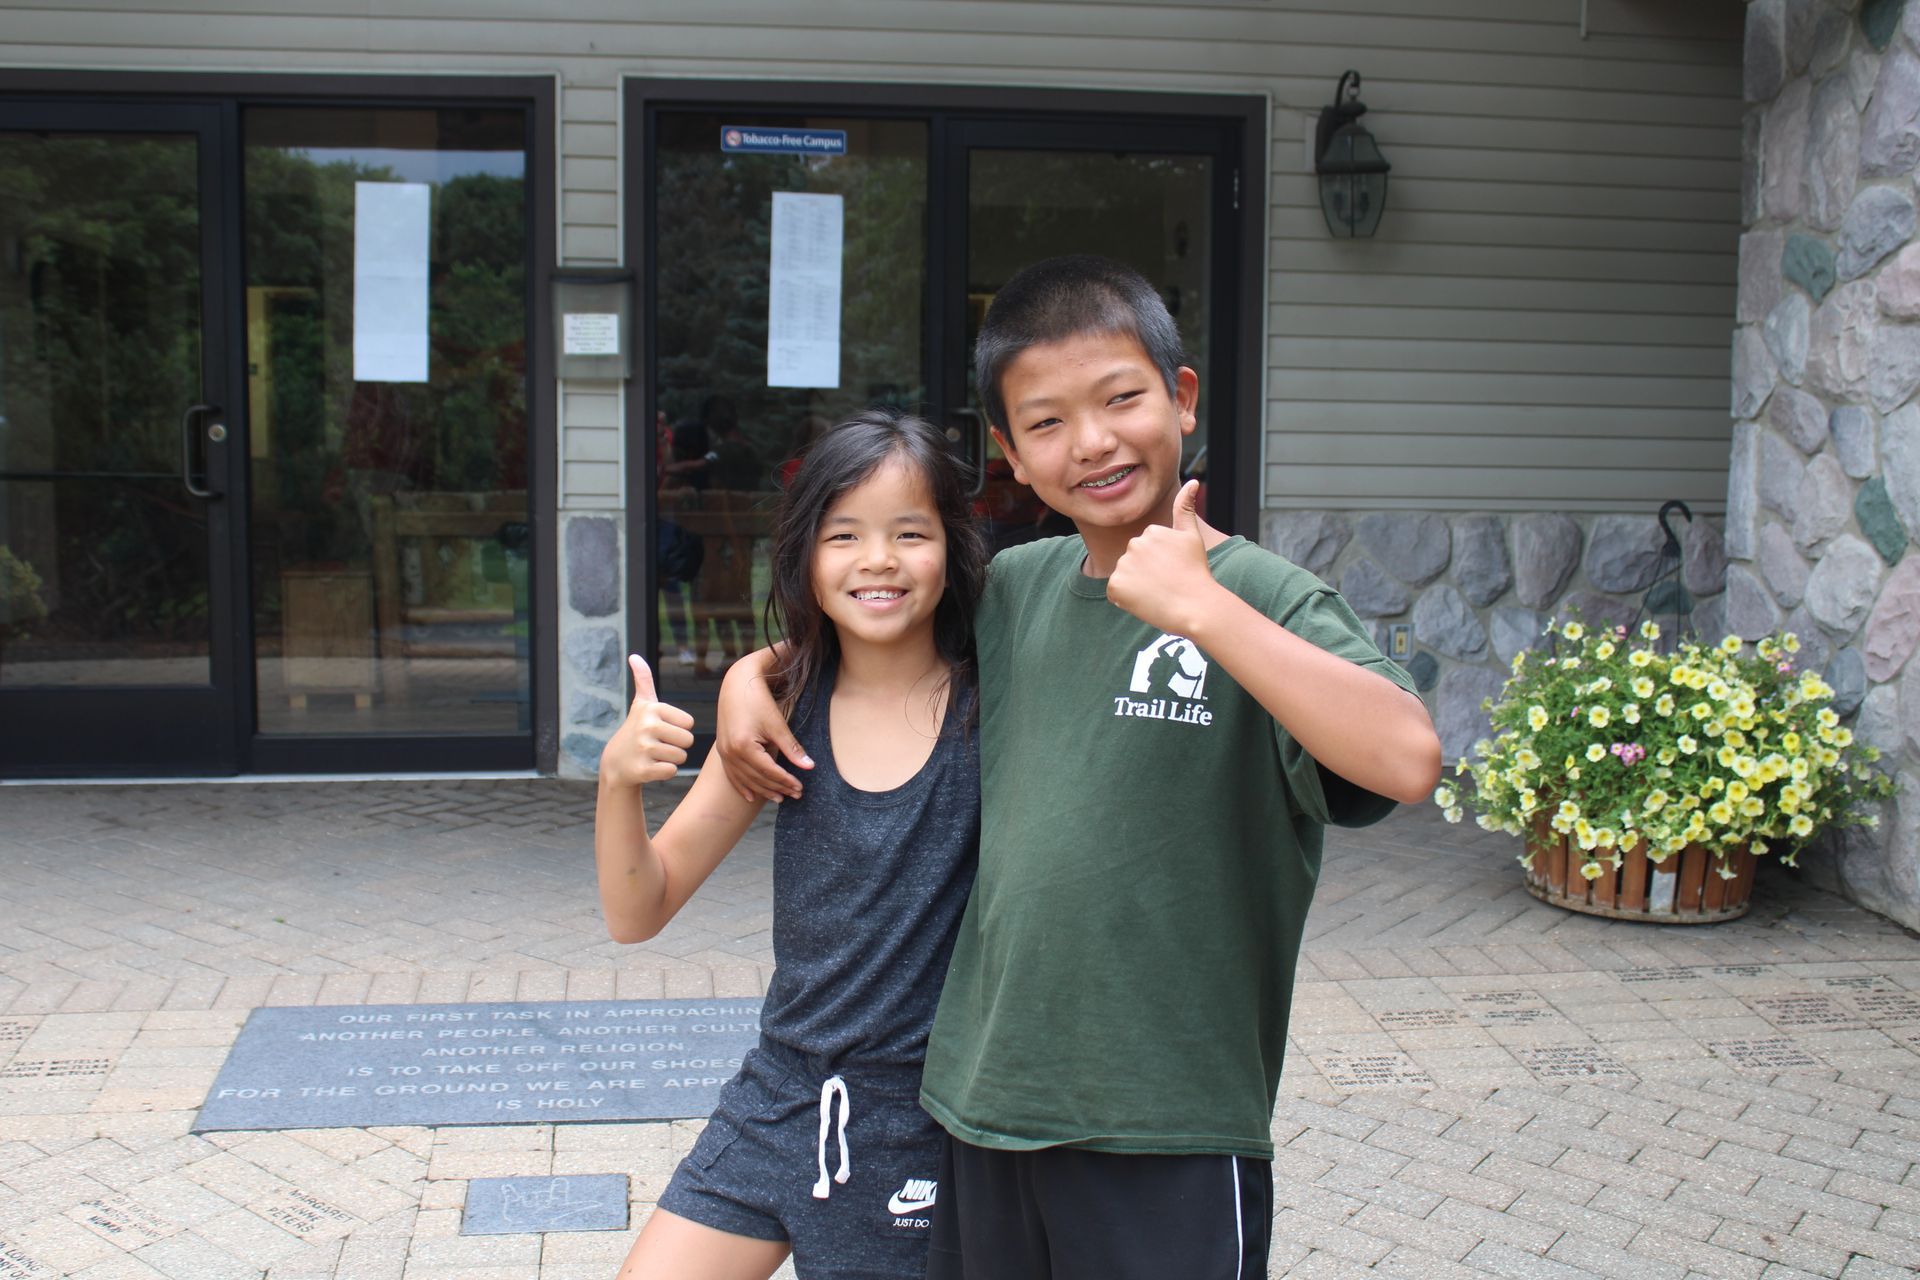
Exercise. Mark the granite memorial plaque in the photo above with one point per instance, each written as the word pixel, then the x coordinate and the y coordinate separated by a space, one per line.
pixel 577 1202
pixel 13 1031
pixel 77 1072
pixel 1573 1062
pixel 350 1066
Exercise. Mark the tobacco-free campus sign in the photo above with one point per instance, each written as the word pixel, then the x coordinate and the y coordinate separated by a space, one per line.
pixel 778 141
pixel 349 1066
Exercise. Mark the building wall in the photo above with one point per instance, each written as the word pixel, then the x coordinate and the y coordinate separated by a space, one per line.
pixel 1540 325
pixel 1823 503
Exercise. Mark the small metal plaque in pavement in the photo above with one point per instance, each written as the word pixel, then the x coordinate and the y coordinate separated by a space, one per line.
pixel 509 1206
pixel 350 1066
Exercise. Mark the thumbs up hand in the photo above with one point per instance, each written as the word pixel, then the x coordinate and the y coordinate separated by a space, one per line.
pixel 1162 577
pixel 653 742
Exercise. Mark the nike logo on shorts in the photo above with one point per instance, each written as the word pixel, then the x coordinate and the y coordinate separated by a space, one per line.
pixel 917 1194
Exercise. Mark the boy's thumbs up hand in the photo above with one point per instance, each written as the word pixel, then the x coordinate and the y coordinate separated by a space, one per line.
pixel 653 743
pixel 1162 577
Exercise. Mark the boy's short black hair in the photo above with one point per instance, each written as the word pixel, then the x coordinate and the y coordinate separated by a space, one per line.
pixel 1061 298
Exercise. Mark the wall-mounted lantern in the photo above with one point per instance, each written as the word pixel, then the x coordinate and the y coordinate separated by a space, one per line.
pixel 1353 173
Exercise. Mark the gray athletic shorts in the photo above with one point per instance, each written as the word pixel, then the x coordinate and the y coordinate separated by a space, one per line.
pixel 841 1164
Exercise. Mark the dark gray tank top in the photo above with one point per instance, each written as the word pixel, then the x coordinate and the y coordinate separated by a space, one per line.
pixel 868 887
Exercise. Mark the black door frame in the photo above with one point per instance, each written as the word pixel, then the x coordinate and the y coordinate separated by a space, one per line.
pixel 68 95
pixel 1240 229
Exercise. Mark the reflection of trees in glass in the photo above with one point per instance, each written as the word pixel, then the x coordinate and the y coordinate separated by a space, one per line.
pixel 99 355
pixel 1148 211
pixel 329 438
pixel 714 214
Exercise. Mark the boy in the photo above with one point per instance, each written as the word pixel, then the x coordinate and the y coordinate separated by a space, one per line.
pixel 1155 779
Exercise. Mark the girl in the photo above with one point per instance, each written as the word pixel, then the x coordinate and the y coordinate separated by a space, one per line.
pixel 819 1146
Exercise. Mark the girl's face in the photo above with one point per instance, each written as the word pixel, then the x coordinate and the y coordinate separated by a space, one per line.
pixel 880 559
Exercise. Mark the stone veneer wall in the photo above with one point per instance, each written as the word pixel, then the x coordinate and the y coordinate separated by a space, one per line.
pixel 593 666
pixel 1823 501
pixel 1477 589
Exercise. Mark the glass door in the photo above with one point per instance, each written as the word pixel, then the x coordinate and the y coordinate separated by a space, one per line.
pixel 740 381
pixel 117 614
pixel 387 267
pixel 1151 195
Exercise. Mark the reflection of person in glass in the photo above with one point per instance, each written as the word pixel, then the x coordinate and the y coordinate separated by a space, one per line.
pixel 676 552
pixel 731 503
pixel 818 1147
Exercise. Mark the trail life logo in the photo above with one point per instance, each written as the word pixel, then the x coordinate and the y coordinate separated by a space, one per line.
pixel 1171 675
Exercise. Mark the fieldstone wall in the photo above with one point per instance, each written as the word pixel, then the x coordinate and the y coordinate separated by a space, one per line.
pixel 1477 589
pixel 593 662
pixel 1823 499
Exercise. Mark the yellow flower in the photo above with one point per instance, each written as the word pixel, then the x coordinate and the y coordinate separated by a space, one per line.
pixel 1746 766
pixel 1721 812
pixel 1596 753
pixel 1526 760
pixel 1664 704
pixel 1700 710
pixel 1736 791
pixel 1791 642
pixel 1828 718
pixel 1598 717
pixel 1642 687
pixel 1843 738
pixel 1801 825
pixel 1600 685
pixel 1641 658
pixel 1753 807
pixel 1730 645
pixel 1537 717
pixel 1718 690
pixel 1680 674
pixel 1725 757
pixel 1443 796
pixel 1667 755
pixel 1631 713
pixel 1573 631
pixel 1790 741
pixel 1591 870
pixel 1650 630
pixel 1603 650
pixel 1656 801
pixel 1686 744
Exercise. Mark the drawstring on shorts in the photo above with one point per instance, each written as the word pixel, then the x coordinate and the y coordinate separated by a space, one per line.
pixel 833 1084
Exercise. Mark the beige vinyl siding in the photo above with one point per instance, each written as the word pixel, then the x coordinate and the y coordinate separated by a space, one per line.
pixel 1543 322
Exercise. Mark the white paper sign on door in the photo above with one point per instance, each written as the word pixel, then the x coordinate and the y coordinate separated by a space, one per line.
pixel 391 224
pixel 803 294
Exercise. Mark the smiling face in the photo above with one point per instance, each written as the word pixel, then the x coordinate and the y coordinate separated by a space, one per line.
pixel 880 559
pixel 1092 429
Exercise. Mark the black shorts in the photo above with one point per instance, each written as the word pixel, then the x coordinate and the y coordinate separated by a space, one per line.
pixel 1064 1213
pixel 850 1194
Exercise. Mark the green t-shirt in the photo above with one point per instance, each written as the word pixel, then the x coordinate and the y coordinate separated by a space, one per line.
pixel 1149 843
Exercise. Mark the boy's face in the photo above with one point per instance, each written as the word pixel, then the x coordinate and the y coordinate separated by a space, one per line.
pixel 1091 427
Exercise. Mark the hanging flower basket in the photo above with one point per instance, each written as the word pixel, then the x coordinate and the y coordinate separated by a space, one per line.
pixel 1693 886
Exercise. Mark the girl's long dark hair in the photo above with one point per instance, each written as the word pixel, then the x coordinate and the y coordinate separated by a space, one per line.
pixel 837 462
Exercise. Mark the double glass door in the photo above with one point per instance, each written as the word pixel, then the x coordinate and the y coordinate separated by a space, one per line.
pixel 929 215
pixel 263 438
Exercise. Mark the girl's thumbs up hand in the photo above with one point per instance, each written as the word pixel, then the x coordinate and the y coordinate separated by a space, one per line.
pixel 653 742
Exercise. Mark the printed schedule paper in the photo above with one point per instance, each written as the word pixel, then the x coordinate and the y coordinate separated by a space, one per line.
pixel 391 222
pixel 803 293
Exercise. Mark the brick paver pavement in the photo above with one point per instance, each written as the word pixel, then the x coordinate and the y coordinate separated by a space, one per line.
pixel 1480 1085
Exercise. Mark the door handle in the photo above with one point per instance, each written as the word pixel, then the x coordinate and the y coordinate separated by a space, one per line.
pixel 216 432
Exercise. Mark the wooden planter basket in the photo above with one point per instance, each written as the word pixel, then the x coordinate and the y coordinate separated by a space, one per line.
pixel 1684 888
